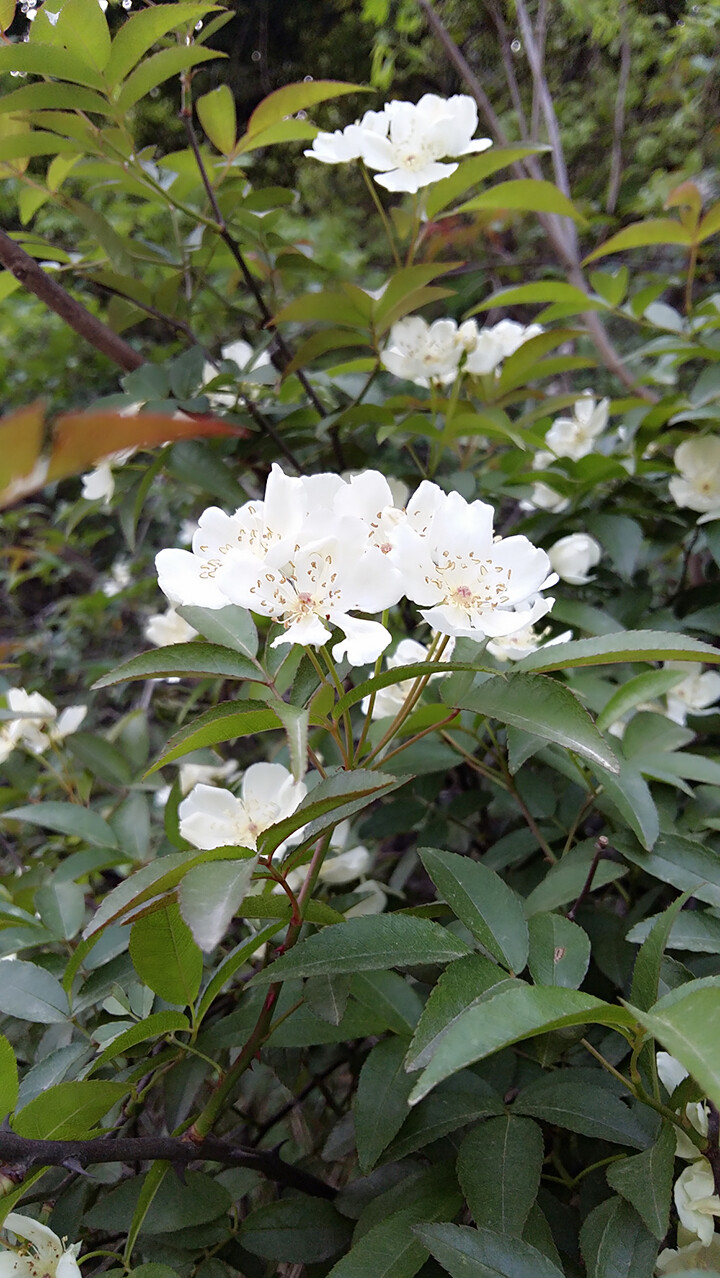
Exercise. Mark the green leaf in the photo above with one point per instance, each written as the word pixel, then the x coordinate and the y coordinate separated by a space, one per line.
pixel 381 1100
pixel 399 674
pixel 150 1188
pixel 615 1243
pixel 564 881
pixel 559 951
pixel 176 1205
pixel 688 1028
pixel 32 994
pixel 644 687
pixel 544 707
pixel 366 944
pixel 694 930
pixel 65 818
pixel 7 13
pixel 545 291
pixel 646 1179
pixel 166 957
pixel 230 964
pixel 154 1026
pixel 484 1253
pixel 462 985
pixel 628 645
pixel 470 172
pixel 403 284
pixel 232 627
pixel 50 60
pixel 225 722
pixel 141 31
pixel 630 794
pixel 390 1249
pixel 327 996
pixel 648 964
pixel 216 111
pixel 82 27
pixel 68 1111
pixel 529 195
pixel 211 895
pixel 391 996
pixel 160 67
pixel 511 1017
pixel 296 97
pixel 8 1078
pixel 305 1231
pixel 61 907
pixel 483 902
pixel 499 1165
pixel 654 230
pixel 331 801
pixel 194 659
pixel 131 825
pixel 454 1103
pixel 295 721
pixel 684 863
pixel 572 1099
pixel 54 96
pixel 100 757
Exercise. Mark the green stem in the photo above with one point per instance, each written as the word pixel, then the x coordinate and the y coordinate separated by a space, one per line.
pixel 347 722
pixel 435 651
pixel 383 215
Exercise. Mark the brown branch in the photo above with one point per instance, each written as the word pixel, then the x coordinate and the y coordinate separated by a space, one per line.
pixel 619 117
pixel 600 849
pixel 24 1152
pixel 32 277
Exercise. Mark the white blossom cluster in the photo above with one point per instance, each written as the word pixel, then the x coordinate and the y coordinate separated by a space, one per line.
pixel 405 142
pixel 573 437
pixel 434 354
pixel 696 1198
pixel 36 724
pixel 319 549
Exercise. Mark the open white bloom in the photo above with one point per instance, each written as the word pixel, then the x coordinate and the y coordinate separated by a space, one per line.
pixel 696 694
pixel 574 556
pixel 672 1074
pixel 38 723
pixel 405 141
pixel 168 627
pixel 192 774
pixel 575 436
pixel 423 353
pixel 468 583
pixel 242 355
pixel 99 484
pixel 523 643
pixel 696 1200
pixel 691 1256
pixel 215 818
pixel 495 343
pixel 542 496
pixel 46 1257
pixel 374 899
pixel 118 579
pixel 698 484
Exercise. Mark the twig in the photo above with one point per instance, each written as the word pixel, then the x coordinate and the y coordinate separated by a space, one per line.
pixel 619 117
pixel 506 51
pixel 541 33
pixel 32 277
pixel 600 848
pixel 712 1151
pixel 23 1151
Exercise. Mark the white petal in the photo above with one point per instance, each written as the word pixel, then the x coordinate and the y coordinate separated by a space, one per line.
pixel 346 866
pixel 184 580
pixel 363 642
pixel 47 1243
pixel 213 818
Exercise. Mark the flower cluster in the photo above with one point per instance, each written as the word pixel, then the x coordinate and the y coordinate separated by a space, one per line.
pixel 37 724
pixel 318 549
pixel 434 354
pixel 695 694
pixel 405 141
pixel 698 484
pixel 696 1198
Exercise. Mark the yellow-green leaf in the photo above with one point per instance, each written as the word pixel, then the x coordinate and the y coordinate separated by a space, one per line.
pixel 216 111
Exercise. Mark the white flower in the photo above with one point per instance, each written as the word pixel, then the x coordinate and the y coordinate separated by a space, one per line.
pixel 374 899
pixel 215 818
pixel 694 694
pixel 542 496
pixel 118 580
pixel 423 353
pixel 496 343
pixel 575 436
pixel 47 1256
pixel 192 774
pixel 467 583
pixel 672 1074
pixel 389 700
pixel 38 723
pixel 347 863
pixel 241 354
pixel 523 643
pixel 67 722
pixel 405 141
pixel 572 558
pixel 696 1200
pixel 99 484
pixel 690 1257
pixel 168 627
pixel 698 484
